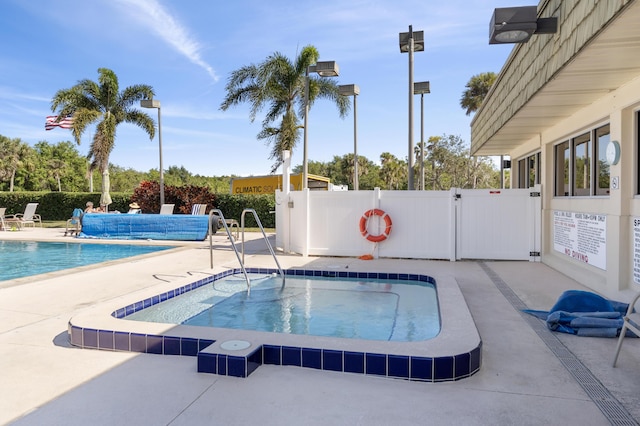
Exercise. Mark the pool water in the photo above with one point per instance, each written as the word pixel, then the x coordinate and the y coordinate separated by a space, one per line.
pixel 373 309
pixel 26 258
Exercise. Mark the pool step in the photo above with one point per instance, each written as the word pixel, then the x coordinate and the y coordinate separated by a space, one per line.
pixel 237 358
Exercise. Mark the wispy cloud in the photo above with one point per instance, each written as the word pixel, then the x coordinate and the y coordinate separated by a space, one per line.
pixel 154 16
pixel 9 93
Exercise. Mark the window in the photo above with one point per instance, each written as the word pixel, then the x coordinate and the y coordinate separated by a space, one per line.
pixel 602 166
pixel 562 158
pixel 580 165
pixel 529 171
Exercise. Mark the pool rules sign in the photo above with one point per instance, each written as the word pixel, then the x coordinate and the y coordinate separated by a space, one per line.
pixel 582 236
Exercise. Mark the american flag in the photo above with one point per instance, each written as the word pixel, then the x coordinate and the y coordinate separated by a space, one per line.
pixel 65 123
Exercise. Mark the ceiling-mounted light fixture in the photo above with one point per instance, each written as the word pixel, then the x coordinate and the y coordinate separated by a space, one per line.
pixel 518 24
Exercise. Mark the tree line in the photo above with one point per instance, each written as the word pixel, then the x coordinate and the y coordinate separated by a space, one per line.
pixel 60 167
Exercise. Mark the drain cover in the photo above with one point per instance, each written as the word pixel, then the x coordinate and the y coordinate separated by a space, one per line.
pixel 235 345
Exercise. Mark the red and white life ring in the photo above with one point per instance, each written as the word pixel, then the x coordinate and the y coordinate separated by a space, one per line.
pixel 365 219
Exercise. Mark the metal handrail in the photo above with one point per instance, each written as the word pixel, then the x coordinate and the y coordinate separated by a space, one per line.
pixel 264 236
pixel 233 244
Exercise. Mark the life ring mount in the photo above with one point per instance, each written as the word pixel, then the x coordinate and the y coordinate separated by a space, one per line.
pixel 364 220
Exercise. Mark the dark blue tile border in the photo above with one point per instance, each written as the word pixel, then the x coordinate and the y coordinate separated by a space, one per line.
pixel 438 369
pixel 398 366
pixel 332 360
pixel 354 362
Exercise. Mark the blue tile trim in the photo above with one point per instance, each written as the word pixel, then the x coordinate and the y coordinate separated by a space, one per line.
pixel 421 368
pixel 222 365
pixel 90 338
pixel 207 363
pixel 272 354
pixel 461 366
pixel 236 366
pixel 121 340
pixel 171 345
pixel 398 366
pixel 291 356
pixel 154 344
pixel 354 362
pixel 443 369
pixel 312 358
pixel 447 368
pixel 138 342
pixel 254 360
pixel 332 360
pixel 76 336
pixel 376 364
pixel 106 339
pixel 189 347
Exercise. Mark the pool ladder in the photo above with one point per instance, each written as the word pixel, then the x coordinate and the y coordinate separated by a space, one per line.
pixel 233 243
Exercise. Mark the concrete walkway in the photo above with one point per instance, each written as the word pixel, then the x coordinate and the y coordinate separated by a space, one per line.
pixel 522 381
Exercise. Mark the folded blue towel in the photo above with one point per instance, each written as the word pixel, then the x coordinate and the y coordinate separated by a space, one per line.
pixel 584 314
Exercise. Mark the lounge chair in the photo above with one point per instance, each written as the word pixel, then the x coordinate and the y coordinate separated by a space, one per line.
pixel 28 217
pixel 199 209
pixel 74 225
pixel 167 209
pixel 2 225
pixel 631 323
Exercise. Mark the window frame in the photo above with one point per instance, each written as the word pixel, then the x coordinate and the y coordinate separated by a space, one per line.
pixel 529 170
pixel 593 144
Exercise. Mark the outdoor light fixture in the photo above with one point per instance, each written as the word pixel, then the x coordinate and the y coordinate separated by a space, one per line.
pixel 410 42
pixel 421 88
pixel 418 40
pixel 518 24
pixel 353 90
pixel 323 69
pixel 154 103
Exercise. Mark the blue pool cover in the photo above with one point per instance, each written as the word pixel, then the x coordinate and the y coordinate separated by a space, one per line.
pixel 179 227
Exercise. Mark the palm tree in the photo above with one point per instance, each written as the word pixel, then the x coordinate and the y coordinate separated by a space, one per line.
pixel 476 90
pixel 56 167
pixel 15 154
pixel 279 84
pixel 393 171
pixel 103 104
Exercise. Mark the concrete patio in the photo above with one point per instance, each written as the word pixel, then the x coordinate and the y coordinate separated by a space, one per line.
pixel 529 375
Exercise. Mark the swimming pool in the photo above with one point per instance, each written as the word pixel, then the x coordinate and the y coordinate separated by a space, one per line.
pixel 27 258
pixel 453 354
pixel 354 308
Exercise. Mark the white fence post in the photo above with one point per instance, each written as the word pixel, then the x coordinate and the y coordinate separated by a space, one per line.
pixel 453 218
pixel 535 208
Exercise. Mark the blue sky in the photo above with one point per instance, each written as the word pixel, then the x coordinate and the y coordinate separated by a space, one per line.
pixel 187 49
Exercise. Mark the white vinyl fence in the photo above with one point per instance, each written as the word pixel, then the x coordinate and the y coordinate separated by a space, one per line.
pixel 456 224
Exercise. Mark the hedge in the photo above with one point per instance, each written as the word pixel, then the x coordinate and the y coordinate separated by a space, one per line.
pixel 56 206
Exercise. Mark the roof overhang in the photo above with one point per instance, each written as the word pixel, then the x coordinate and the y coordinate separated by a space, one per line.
pixel 604 63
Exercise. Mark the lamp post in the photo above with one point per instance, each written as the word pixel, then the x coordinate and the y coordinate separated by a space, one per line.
pixel 353 90
pixel 420 89
pixel 154 103
pixel 410 42
pixel 323 69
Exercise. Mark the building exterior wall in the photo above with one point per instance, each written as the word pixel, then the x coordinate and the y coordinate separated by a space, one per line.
pixel 619 110
pixel 536 64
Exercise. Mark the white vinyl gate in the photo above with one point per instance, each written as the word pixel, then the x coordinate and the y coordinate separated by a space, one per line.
pixel 498 224
pixel 457 224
